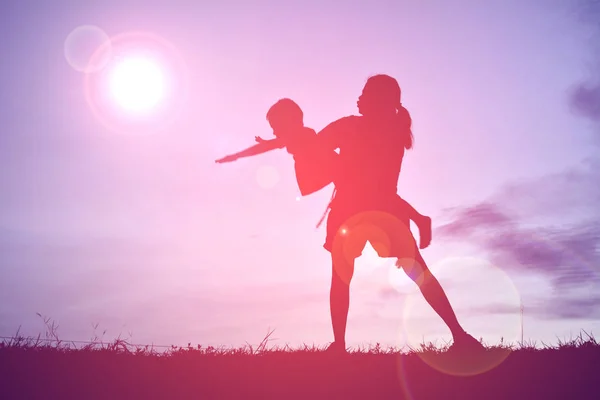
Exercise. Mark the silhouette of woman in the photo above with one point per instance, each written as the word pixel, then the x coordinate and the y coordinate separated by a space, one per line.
pixel 366 206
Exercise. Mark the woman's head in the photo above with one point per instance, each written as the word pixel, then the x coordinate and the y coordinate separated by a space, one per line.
pixel 382 97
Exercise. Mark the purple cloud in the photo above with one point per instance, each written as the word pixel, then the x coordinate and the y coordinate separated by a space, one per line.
pixel 550 225
pixel 568 255
pixel 585 100
pixel 496 308
pixel 471 219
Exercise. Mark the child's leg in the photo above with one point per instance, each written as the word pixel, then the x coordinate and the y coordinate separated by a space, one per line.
pixel 423 223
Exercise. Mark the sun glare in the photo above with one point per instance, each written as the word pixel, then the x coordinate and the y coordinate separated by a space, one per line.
pixel 137 84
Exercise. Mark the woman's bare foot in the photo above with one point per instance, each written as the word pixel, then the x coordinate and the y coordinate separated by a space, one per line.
pixel 466 342
pixel 336 348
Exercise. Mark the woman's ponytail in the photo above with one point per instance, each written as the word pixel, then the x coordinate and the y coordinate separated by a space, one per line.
pixel 405 124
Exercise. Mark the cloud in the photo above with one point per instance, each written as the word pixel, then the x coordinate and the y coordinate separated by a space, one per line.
pixel 585 100
pixel 567 253
pixel 495 308
pixel 559 308
pixel 469 220
pixel 551 225
pixel 575 308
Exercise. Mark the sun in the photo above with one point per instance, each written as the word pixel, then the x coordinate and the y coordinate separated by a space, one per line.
pixel 137 84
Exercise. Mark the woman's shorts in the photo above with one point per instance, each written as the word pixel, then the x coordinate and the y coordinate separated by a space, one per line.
pixel 386 227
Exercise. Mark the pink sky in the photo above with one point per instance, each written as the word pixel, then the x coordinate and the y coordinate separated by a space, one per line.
pixel 145 234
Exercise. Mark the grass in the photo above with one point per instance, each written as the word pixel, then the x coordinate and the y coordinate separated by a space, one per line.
pixel 48 368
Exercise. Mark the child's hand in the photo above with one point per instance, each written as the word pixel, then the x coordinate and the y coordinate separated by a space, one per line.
pixel 226 159
pixel 258 139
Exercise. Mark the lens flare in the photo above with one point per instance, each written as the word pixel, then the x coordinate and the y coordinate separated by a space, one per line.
pixel 476 287
pixel 143 89
pixel 389 237
pixel 81 46
pixel 137 84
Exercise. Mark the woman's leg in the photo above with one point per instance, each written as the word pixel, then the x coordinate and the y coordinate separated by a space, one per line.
pixel 339 297
pixel 343 251
pixel 434 294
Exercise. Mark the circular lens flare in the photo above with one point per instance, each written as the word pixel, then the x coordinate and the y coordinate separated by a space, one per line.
pixel 494 307
pixel 81 49
pixel 137 84
pixel 143 89
pixel 388 235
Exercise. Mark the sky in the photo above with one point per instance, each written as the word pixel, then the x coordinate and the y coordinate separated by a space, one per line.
pixel 138 232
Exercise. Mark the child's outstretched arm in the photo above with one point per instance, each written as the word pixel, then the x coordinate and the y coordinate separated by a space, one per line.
pixel 262 147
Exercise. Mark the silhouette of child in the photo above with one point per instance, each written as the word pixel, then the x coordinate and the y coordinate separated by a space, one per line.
pixel 314 166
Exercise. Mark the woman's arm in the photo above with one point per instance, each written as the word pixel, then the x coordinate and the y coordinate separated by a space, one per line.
pixel 332 136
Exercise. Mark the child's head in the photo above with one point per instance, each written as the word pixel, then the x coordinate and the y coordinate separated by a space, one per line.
pixel 285 116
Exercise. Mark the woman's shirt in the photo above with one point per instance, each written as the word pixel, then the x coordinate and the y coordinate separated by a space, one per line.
pixel 370 157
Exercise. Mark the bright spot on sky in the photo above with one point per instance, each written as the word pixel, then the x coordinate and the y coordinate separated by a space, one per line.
pixel 81 45
pixel 267 176
pixel 297 198
pixel 137 84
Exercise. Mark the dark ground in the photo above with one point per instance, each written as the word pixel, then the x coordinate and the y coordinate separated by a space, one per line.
pixel 570 371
